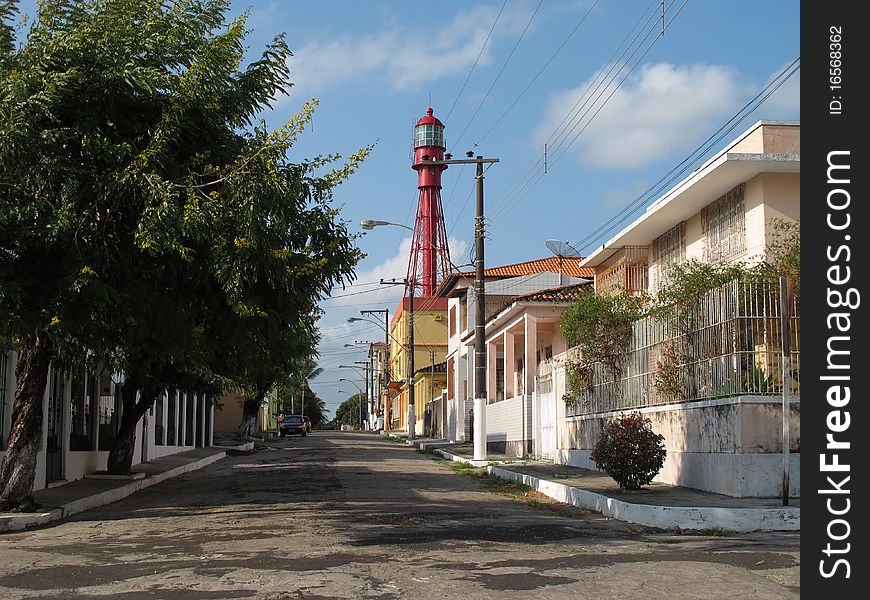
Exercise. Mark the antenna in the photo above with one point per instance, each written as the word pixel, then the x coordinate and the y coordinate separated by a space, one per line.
pixel 562 249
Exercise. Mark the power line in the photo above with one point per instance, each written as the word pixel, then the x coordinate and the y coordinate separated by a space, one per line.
pixel 479 54
pixel 540 71
pixel 498 75
pixel 508 206
pixel 694 157
pixel 531 170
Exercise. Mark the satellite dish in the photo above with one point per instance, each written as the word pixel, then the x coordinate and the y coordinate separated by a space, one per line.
pixel 562 250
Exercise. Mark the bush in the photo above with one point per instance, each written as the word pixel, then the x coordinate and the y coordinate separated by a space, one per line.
pixel 630 451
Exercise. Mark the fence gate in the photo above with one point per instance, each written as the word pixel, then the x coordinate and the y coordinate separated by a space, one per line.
pixel 547 406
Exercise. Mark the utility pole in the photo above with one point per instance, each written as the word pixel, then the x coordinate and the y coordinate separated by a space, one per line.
pixel 480 304
pixel 409 285
pixel 479 325
pixel 412 415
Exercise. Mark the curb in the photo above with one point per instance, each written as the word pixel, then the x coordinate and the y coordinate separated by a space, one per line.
pixel 23 521
pixel 246 447
pixel 695 518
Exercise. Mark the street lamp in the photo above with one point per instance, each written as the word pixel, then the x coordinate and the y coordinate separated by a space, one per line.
pixel 387 337
pixel 360 404
pixel 383 379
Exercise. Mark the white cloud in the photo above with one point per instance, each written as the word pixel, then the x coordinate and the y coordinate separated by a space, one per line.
pixel 406 57
pixel 784 102
pixel 662 109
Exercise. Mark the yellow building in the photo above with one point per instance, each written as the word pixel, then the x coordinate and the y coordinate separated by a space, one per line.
pixel 430 334
pixel 430 400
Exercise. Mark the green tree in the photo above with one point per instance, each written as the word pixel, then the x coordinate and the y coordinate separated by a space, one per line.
pixel 314 408
pixel 146 217
pixel 348 412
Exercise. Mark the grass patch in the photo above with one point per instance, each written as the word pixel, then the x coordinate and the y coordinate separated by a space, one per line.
pixel 463 467
pixel 516 491
pixel 716 532
pixel 431 454
pixel 394 440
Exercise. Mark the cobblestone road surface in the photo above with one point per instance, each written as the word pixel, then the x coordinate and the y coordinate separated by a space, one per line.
pixel 351 515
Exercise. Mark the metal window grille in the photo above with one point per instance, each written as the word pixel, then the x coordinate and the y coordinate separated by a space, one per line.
pixel 724 226
pixel 668 249
pixel 625 271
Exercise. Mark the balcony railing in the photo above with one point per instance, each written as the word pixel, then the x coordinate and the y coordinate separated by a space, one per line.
pixel 729 343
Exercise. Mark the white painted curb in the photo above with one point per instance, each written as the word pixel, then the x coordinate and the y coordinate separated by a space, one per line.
pixel 740 520
pixel 21 522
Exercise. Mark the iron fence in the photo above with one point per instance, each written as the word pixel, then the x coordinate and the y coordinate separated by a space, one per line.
pixel 727 343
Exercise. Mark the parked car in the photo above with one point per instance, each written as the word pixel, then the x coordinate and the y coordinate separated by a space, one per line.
pixel 291 424
pixel 307 423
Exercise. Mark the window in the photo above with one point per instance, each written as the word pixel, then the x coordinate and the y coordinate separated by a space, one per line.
pixel 463 313
pixel 429 135
pixel 499 378
pixel 724 224
pixel 669 249
pixel 520 374
pixel 452 321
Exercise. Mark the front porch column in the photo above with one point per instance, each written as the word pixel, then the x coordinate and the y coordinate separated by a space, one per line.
pixel 491 359
pixel 530 365
pixel 510 365
pixel 530 361
pixel 182 418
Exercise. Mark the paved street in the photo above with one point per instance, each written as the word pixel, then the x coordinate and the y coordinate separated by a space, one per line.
pixel 351 515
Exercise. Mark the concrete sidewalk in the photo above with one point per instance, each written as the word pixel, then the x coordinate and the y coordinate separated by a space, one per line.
pixel 84 494
pixel 657 505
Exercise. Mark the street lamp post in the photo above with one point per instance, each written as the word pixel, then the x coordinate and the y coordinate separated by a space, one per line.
pixel 410 379
pixel 362 393
pixel 385 370
pixel 386 312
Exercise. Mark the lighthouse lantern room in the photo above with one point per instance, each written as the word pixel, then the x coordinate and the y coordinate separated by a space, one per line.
pixel 430 257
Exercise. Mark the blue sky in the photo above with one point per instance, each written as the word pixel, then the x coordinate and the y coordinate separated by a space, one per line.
pixel 374 66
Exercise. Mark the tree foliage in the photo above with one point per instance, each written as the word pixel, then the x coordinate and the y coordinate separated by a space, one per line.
pixel 147 217
pixel 599 326
pixel 349 411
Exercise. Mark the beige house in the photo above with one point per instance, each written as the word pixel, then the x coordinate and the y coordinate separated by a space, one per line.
pixel 721 212
pixel 723 433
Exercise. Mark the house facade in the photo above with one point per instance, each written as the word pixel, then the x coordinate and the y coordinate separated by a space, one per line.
pixel 723 424
pixel 430 336
pixel 81 415
pixel 521 339
pixel 501 284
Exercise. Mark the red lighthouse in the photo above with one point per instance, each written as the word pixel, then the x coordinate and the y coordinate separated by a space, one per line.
pixel 430 258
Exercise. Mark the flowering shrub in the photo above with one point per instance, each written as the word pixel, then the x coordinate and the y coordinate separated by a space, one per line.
pixel 630 451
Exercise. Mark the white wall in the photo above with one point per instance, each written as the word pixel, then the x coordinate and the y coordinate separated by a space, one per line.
pixel 504 422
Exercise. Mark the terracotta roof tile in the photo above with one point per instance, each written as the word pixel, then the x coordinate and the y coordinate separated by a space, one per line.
pixel 569 266
pixel 565 293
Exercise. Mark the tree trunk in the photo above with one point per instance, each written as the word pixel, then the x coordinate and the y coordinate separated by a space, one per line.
pixel 250 412
pixel 121 454
pixel 18 469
